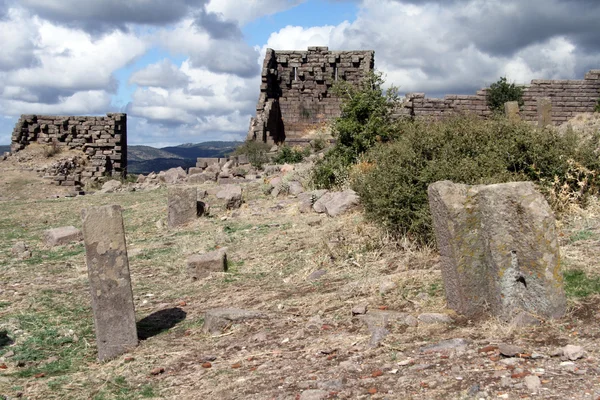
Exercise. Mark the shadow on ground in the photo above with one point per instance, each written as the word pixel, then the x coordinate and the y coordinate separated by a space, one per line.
pixel 159 322
pixel 5 340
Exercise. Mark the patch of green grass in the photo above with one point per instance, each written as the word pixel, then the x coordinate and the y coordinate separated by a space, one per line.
pixel 119 389
pixel 579 284
pixel 583 234
pixel 151 254
pixel 4 304
pixel 434 289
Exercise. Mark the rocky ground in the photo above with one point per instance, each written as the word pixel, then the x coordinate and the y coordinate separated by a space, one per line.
pixel 313 306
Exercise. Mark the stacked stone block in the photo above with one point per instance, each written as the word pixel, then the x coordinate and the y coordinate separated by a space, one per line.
pixel 296 90
pixel 567 99
pixel 103 140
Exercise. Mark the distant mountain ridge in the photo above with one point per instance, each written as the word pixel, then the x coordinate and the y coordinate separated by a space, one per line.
pixel 146 159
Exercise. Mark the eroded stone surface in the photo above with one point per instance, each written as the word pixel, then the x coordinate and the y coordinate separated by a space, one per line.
pixel 61 236
pixel 498 249
pixel 217 319
pixel 183 205
pixel 200 265
pixel 110 282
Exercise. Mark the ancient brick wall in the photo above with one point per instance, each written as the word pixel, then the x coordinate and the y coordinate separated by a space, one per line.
pixel 295 93
pixel 102 140
pixel 568 98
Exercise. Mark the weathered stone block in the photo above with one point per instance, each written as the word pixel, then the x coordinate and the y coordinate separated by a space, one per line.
pixel 511 109
pixel 110 282
pixel 544 109
pixel 232 194
pixel 498 249
pixel 182 205
pixel 61 236
pixel 201 265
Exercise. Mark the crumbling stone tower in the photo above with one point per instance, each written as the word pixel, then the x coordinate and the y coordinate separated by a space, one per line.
pixel 295 91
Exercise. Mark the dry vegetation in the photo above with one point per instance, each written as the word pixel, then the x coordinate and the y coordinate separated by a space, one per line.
pixel 311 341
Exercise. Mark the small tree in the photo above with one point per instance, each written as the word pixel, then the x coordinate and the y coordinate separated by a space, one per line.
pixel 366 119
pixel 500 92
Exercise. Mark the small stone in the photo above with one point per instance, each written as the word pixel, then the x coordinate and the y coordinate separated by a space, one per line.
pixel 509 350
pixel 359 309
pixel 19 248
pixel 533 383
pixel 206 365
pixel 201 265
pixel 316 275
pixel 573 352
pixel 568 366
pixel 314 394
pixel 111 186
pixel 386 287
pixel 434 318
pixel 157 371
pixel 446 346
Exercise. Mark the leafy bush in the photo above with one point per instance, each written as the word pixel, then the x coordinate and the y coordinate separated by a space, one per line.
pixel 255 150
pixel 288 155
pixel 52 149
pixel 392 179
pixel 365 120
pixel 500 92
pixel 597 109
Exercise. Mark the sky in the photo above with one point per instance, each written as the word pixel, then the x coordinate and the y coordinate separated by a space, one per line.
pixel 188 71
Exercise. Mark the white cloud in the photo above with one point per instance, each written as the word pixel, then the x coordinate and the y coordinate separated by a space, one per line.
pixel 163 74
pixel 249 10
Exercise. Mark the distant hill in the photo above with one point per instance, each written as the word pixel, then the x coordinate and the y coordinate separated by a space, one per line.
pixel 146 159
pixel 4 149
pixel 205 149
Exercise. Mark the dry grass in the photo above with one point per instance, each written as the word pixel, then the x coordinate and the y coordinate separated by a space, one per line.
pixel 273 249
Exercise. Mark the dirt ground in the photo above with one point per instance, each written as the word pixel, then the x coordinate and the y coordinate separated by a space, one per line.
pixel 308 344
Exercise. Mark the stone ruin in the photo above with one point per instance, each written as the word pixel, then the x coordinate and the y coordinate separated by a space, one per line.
pixel 295 93
pixel 101 140
pixel 499 251
pixel 296 97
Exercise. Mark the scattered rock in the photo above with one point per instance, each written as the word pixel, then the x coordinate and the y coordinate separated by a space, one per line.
pixel 111 186
pixel 359 309
pixel 317 274
pixel 336 203
pixel 444 346
pixel 387 286
pixel 314 394
pixel 217 319
pixel 201 265
pixel 295 188
pixel 174 175
pixel 232 194
pixel 157 371
pixel 378 321
pixel 434 318
pixel 533 383
pixel 508 350
pixel 573 352
pixel 61 236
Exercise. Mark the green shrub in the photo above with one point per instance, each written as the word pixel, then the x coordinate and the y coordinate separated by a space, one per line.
pixel 255 150
pixel 597 109
pixel 500 92
pixel 392 179
pixel 366 119
pixel 288 155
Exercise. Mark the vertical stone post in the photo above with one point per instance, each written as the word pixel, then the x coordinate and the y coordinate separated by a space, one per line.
pixel 511 110
pixel 110 283
pixel 544 109
pixel 182 205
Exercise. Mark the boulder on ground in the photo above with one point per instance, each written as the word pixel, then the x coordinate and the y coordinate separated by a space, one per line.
pixel 308 199
pixel 183 206
pixel 111 186
pixel 295 188
pixel 61 236
pixel 201 265
pixel 498 249
pixel 336 203
pixel 195 170
pixel 197 179
pixel 232 194
pixel 174 175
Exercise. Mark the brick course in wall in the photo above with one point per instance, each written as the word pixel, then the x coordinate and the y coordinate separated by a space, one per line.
pixel 295 91
pixel 102 140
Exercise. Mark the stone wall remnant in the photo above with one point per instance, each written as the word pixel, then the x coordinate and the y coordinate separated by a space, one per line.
pixel 499 250
pixel 295 94
pixel 110 282
pixel 102 140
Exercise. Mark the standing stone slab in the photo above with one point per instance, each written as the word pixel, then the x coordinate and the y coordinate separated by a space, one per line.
pixel 201 265
pixel 110 283
pixel 498 249
pixel 544 109
pixel 511 109
pixel 183 205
